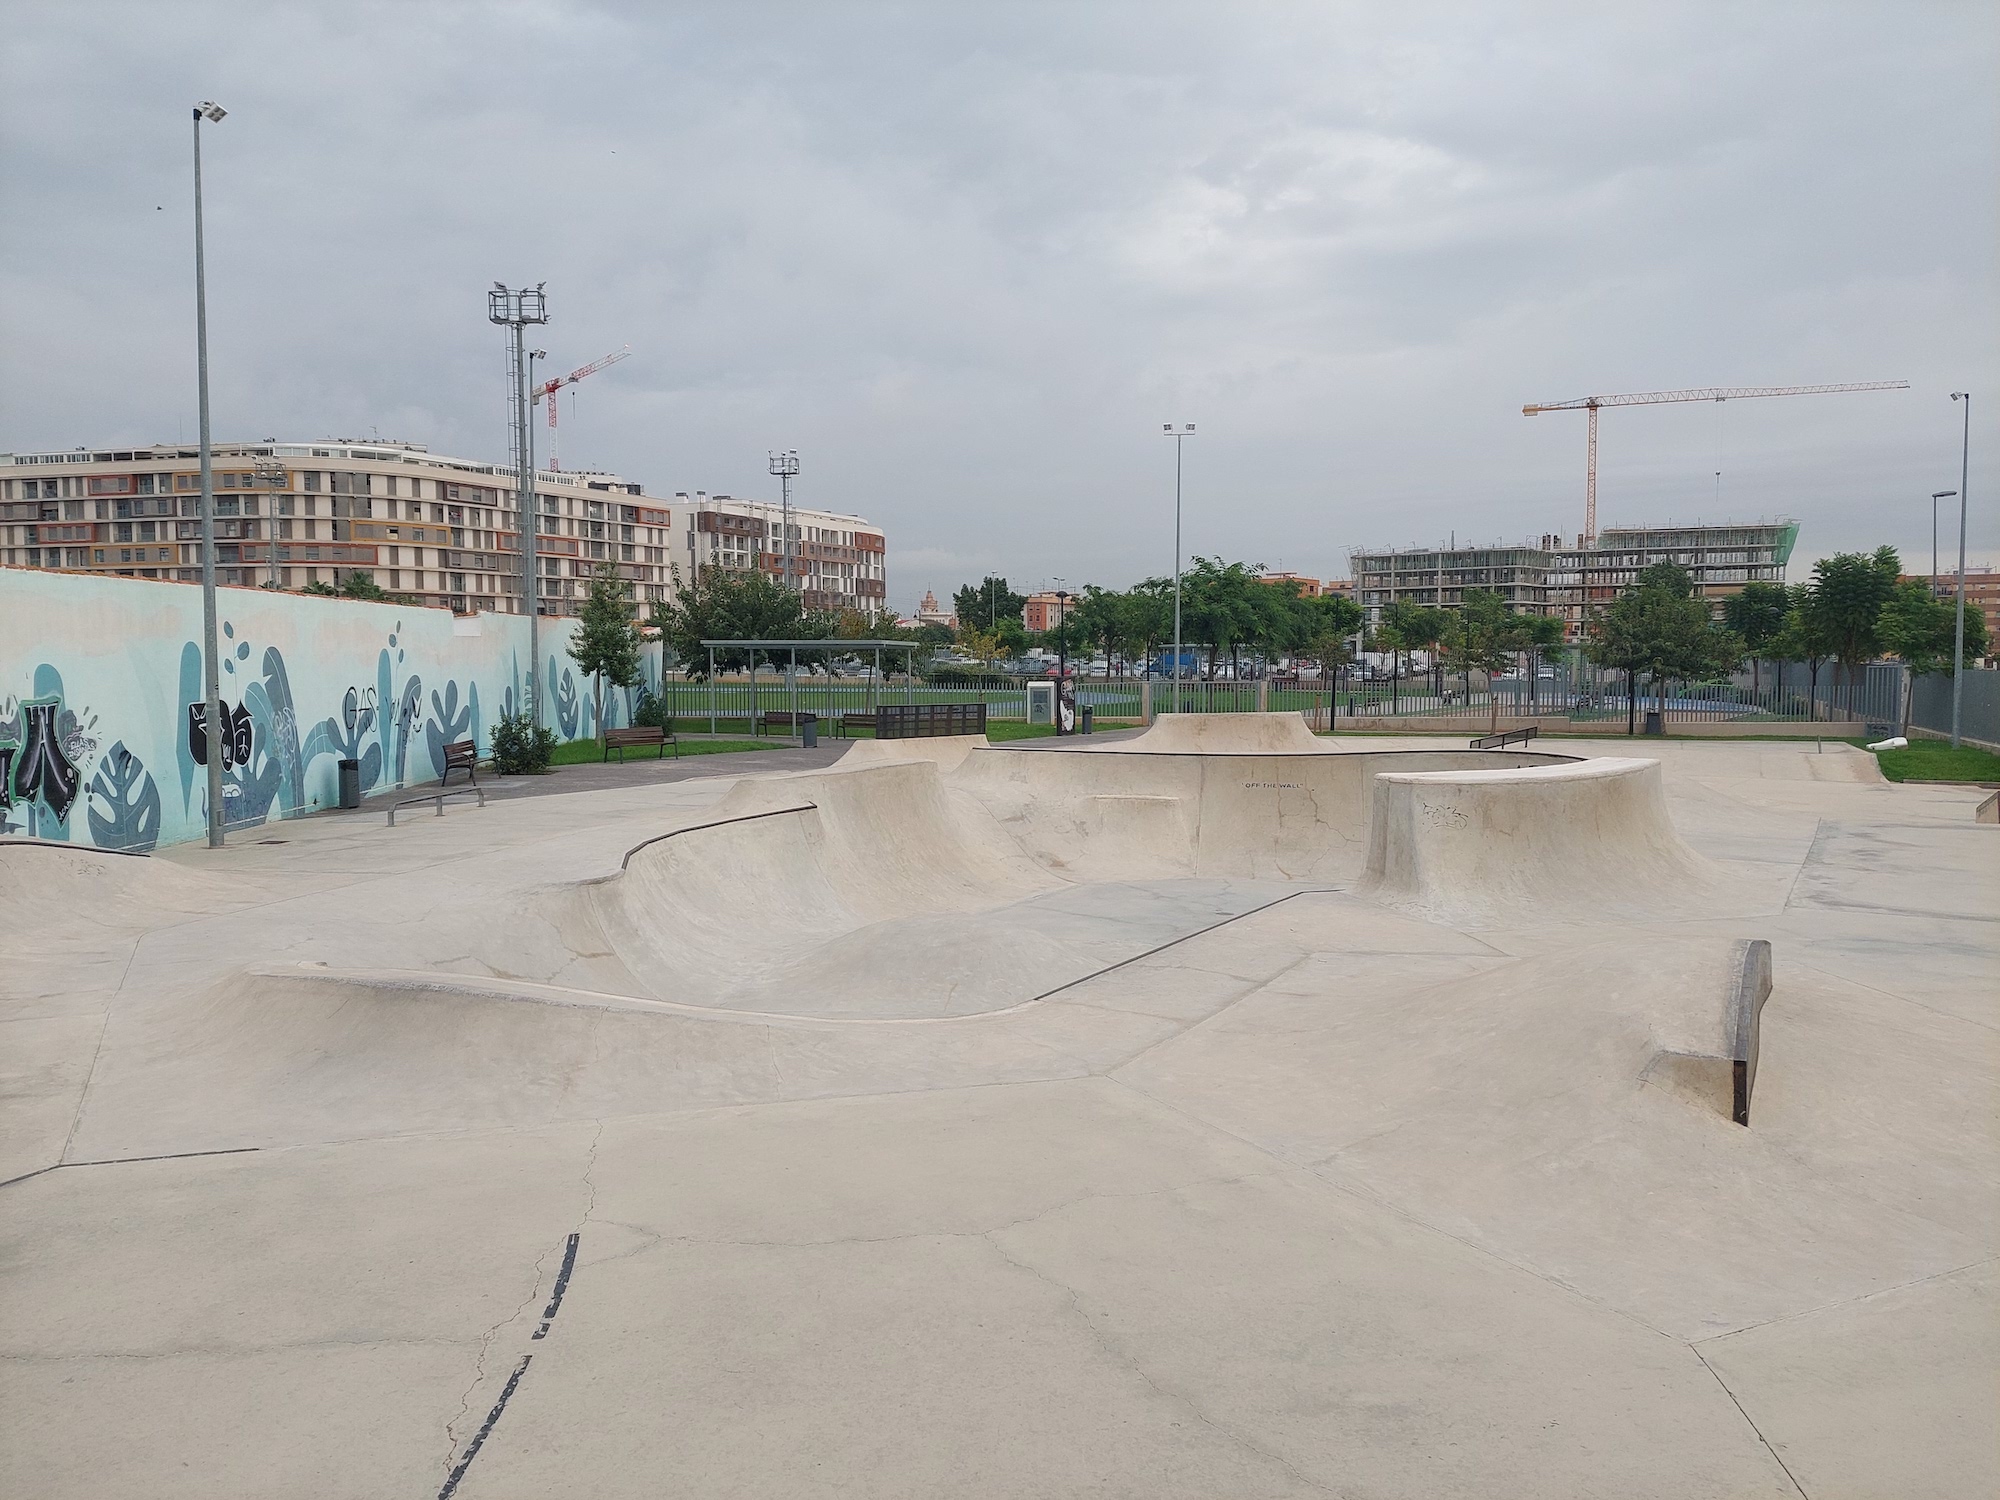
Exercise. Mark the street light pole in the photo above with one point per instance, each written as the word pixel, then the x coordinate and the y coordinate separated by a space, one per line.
pixel 1178 434
pixel 212 682
pixel 1958 634
pixel 1936 496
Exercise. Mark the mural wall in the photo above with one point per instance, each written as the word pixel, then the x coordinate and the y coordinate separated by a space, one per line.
pixel 103 727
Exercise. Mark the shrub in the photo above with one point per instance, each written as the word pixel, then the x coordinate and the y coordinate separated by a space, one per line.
pixel 522 747
pixel 652 710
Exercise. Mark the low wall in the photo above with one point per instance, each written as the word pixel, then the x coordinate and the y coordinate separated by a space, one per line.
pixel 98 676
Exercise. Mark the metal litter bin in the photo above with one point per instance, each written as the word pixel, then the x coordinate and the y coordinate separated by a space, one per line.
pixel 350 783
pixel 809 732
pixel 1656 722
pixel 1089 714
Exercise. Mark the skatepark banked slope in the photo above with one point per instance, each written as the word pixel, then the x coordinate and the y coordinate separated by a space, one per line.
pixel 875 893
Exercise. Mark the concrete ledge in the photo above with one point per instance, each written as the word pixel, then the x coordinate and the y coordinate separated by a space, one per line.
pixel 1714 1066
pixel 1746 1012
pixel 1474 847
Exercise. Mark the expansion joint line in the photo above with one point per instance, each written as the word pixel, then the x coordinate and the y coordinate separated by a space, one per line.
pixel 1775 1458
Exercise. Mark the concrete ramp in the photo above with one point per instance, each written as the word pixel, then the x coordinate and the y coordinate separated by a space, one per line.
pixel 945 751
pixel 1474 847
pixel 1224 734
pixel 50 886
pixel 875 894
pixel 1278 816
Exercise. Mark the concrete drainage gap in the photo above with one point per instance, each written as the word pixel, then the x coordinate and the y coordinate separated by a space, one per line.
pixel 458 1470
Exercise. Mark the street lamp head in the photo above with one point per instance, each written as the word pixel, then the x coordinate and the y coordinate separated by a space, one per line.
pixel 1961 395
pixel 210 111
pixel 1942 494
pixel 1184 430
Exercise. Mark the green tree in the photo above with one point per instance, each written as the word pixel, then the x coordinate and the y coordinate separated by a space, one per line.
pixel 1757 614
pixel 359 585
pixel 1660 627
pixel 984 605
pixel 1330 624
pixel 1218 608
pixel 1485 636
pixel 1541 635
pixel 1847 594
pixel 606 643
pixel 1800 640
pixel 727 604
pixel 1921 629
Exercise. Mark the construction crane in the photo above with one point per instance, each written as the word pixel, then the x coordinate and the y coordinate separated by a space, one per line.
pixel 1662 398
pixel 550 387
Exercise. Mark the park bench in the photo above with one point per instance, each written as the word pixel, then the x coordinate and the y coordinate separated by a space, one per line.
pixel 622 740
pixel 461 755
pixel 850 724
pixel 784 718
pixel 1511 737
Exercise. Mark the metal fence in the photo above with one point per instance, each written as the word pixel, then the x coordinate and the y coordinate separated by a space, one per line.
pixel 1773 692
pixel 1979 706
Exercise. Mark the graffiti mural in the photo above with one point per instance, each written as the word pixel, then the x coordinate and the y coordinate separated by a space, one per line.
pixel 237 734
pixel 306 683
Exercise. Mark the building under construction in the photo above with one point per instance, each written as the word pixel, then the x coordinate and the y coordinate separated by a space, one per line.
pixel 1551 576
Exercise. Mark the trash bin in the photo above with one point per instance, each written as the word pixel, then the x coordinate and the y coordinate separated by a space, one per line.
pixel 1655 722
pixel 350 783
pixel 1088 714
pixel 809 732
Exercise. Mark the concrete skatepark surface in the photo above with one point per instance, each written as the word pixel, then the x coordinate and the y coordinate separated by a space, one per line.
pixel 1222 1111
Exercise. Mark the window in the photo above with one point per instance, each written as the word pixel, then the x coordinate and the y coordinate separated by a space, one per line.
pixel 392 488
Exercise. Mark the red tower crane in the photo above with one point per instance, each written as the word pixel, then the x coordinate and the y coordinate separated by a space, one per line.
pixel 1661 398
pixel 550 387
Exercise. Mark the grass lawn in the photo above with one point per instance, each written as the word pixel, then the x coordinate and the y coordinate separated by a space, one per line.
pixel 589 752
pixel 1935 760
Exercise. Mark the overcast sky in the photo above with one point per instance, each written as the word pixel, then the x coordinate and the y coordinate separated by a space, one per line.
pixel 967 258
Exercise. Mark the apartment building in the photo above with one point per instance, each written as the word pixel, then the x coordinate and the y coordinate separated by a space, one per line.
pixel 1982 592
pixel 1720 560
pixel 444 531
pixel 1437 577
pixel 837 562
pixel 1552 576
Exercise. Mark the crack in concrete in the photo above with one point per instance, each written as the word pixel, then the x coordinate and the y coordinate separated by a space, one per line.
pixel 1130 1363
pixel 487 1340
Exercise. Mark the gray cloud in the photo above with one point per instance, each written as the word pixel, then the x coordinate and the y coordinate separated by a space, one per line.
pixel 967 260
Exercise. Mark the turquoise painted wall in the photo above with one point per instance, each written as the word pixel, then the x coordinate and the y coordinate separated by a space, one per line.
pixel 97 675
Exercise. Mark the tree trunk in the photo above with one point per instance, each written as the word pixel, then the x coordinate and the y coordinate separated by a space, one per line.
pixel 1631 700
pixel 597 706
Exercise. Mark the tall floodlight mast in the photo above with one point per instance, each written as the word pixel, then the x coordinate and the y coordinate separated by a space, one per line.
pixel 786 466
pixel 515 309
